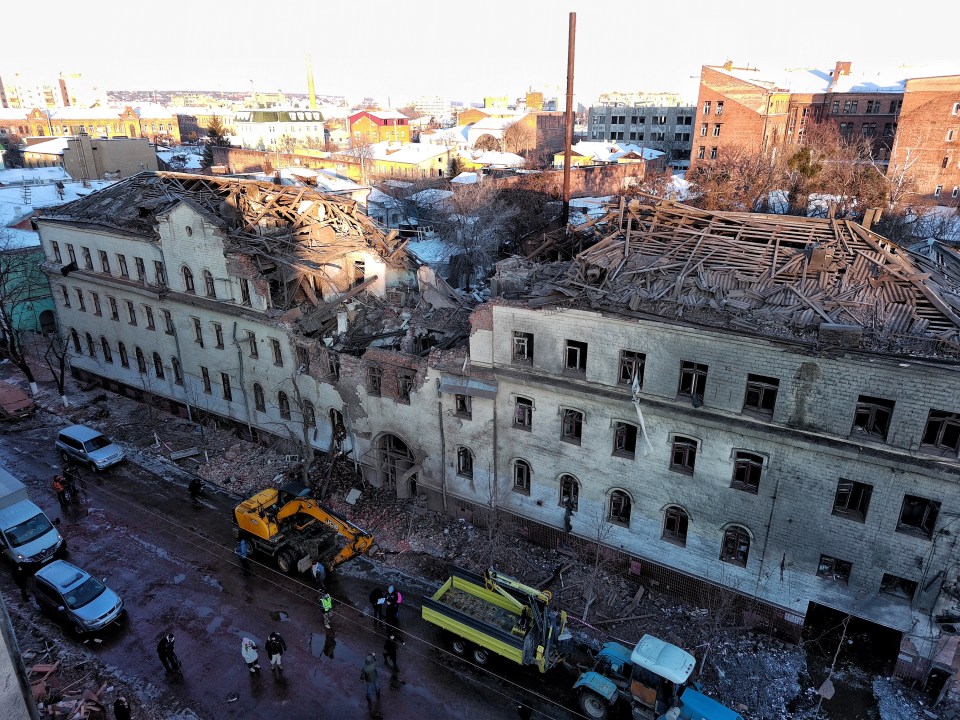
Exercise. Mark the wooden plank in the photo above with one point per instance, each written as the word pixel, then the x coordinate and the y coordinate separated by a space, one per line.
pixel 180 454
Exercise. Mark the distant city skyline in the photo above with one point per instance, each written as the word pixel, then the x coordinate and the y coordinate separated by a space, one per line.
pixel 501 48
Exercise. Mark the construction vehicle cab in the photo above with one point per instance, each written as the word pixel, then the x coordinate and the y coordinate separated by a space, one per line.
pixel 653 678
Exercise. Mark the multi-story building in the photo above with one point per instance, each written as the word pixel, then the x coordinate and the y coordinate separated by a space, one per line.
pixel 194 122
pixel 374 126
pixel 640 99
pixel 90 158
pixel 667 128
pixel 148 121
pixel 279 128
pixel 432 105
pixel 68 90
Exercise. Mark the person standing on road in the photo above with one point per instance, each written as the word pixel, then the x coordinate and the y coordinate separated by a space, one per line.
pixel 23 578
pixel 196 489
pixel 275 648
pixel 368 676
pixel 377 599
pixel 390 650
pixel 121 709
pixel 392 606
pixel 319 573
pixel 248 648
pixel 242 554
pixel 326 606
pixel 60 489
pixel 166 653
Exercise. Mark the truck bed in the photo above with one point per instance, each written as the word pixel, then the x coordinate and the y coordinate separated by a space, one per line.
pixel 478 609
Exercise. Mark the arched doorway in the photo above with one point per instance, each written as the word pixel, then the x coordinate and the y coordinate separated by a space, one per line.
pixel 48 322
pixel 397 465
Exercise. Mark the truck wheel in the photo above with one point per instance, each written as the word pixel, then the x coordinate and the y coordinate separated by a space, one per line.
pixel 480 656
pixel 594 706
pixel 64 456
pixel 459 646
pixel 285 561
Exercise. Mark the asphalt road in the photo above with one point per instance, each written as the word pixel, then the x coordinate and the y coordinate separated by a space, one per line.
pixel 174 566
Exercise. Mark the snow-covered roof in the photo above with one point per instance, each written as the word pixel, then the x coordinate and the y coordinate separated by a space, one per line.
pixel 387 114
pixel 13 114
pixel 457 135
pixel 152 110
pixel 78 113
pixel 377 197
pixel 466 178
pixel 431 251
pixel 56 146
pixel 610 152
pixel 496 123
pixel 859 80
pixel 406 152
pixel 187 110
pixel 493 158
pixel 431 196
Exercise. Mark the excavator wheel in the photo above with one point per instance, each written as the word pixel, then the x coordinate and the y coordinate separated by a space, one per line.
pixel 286 562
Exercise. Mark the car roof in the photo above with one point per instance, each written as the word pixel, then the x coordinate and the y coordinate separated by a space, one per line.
pixel 81 432
pixel 62 574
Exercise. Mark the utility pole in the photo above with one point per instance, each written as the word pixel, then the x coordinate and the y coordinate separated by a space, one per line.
pixel 568 131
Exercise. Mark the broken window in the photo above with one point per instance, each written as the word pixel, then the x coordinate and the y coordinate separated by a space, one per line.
pixel 167 321
pixel 624 440
pixel 71 253
pixel 209 285
pixel 141 271
pixel 873 416
pixel 404 384
pixel 205 375
pixel 149 312
pixel 463 405
pixel 66 295
pixel 339 428
pixel 107 354
pixel 141 361
pixel 259 400
pixel 569 492
pixel 96 304
pixel 736 545
pixel 898 587
pixel 523 347
pixel 218 335
pixel 619 510
pixel 761 396
pixel 252 342
pixel 244 291
pixel 227 391
pixel 747 468
pixel 374 380
pixel 91 349
pixel 464 462
pixel 87 258
pixel 521 476
pixel 56 251
pixel 124 360
pixel 693 382
pixel 675 522
pixel 283 404
pixel 359 272
pixel 631 366
pixel 277 354
pixel 105 262
pixel 852 499
pixel 114 309
pixel 303 359
pixel 333 364
pixel 82 304
pixel 197 331
pixel 683 454
pixel 158 366
pixel 918 516
pixel 177 371
pixel 309 414
pixel 942 431
pixel 576 357
pixel 159 273
pixel 188 280
pixel 523 413
pixel 834 569
pixel 571 426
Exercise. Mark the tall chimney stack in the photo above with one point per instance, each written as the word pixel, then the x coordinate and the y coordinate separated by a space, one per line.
pixel 310 89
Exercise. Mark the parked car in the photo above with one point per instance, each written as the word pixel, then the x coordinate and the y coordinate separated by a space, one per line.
pixel 89 447
pixel 75 598
pixel 14 402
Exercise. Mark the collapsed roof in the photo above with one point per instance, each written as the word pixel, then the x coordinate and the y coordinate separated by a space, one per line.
pixel 782 276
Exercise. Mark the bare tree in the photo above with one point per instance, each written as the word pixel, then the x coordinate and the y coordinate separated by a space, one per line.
pixel 519 137
pixel 362 149
pixel 55 355
pixel 739 179
pixel 596 557
pixel 22 282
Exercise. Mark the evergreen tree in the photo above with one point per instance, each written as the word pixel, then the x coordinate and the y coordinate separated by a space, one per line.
pixel 215 138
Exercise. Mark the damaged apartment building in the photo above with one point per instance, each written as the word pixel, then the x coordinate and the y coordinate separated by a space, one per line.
pixel 766 404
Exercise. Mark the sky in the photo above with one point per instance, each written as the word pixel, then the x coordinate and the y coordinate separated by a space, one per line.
pixel 464 51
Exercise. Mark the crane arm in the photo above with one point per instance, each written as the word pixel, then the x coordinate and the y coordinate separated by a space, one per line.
pixel 359 540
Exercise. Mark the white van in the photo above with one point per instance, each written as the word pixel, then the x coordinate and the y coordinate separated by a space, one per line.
pixel 26 535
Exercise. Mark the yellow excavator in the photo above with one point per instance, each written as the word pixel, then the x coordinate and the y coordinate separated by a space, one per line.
pixel 295 529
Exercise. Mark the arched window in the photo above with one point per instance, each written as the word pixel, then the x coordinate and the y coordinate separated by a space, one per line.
pixel 736 545
pixel 569 492
pixel 309 415
pixel 259 401
pixel 284 404
pixel 91 348
pixel 211 289
pixel 141 361
pixel 465 462
pixel 76 341
pixel 124 360
pixel 521 476
pixel 107 354
pixel 158 366
pixel 177 371
pixel 619 510
pixel 188 279
pixel 675 522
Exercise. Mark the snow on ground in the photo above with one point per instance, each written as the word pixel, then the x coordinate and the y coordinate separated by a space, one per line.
pixel 585 209
pixel 191 156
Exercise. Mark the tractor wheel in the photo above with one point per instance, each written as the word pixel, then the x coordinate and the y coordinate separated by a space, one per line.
pixel 459 645
pixel 286 562
pixel 594 706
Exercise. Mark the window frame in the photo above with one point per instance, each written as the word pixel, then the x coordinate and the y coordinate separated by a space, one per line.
pixel 761 386
pixel 574 484
pixel 731 549
pixel 874 408
pixel 619 448
pixel 693 376
pixel 927 525
pixel 189 285
pixel 748 463
pixel 375 380
pixel 522 480
pixel 283 405
pixel 619 507
pixel 858 511
pixel 465 458
pixel 690 447
pixel 835 569
pixel 226 386
pixel 633 363
pixel 946 420
pixel 522 341
pixel 463 406
pixel 210 285
pixel 676 515
pixel 575 357
pixel 571 426
pixel 521 401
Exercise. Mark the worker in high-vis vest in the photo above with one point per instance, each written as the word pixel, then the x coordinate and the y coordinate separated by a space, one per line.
pixel 326 605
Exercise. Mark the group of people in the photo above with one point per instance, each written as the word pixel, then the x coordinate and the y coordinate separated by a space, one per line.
pixel 386 606
pixel 275 647
pixel 65 486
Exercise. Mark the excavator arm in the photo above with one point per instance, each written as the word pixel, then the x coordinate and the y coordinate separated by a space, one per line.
pixel 359 541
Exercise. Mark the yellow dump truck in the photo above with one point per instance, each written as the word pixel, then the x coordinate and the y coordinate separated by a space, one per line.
pixel 493 614
pixel 294 529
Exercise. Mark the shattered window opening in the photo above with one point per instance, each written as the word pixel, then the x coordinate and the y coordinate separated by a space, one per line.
pixel 404 385
pixel 523 413
pixel 107 353
pixel 177 371
pixel 631 366
pixel 761 395
pixel 375 380
pixel 141 362
pixel 188 285
pixel 942 431
pixel 149 311
pixel 736 546
pixel 918 516
pixel 87 258
pixel 576 357
pixel 56 251
pixel 197 331
pixel 303 360
pixel 71 253
pixel 244 292
pixel 105 262
pixel 124 360
pixel 619 508
pixel 852 499
pixel 834 569
pixel 309 414
pixel 625 440
pixel 66 295
pixel 96 304
pixel 167 322
pixel 158 366
pixel 683 455
pixel 209 286
pixel 675 523
pixel 205 375
pixel 693 381
pixel 569 492
pixel 218 335
pixel 283 404
pixel 122 260
pixel 114 309
pixel 277 354
pixel 83 305
pixel 227 391
pixel 463 405
pixel 898 587
pixel 523 347
pixel 521 476
pixel 91 350
pixel 747 469
pixel 161 276
pixel 131 312
pixel 252 341
pixel 464 462
pixel 75 337
pixel 141 270
pixel 571 427
pixel 873 416
pixel 259 400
